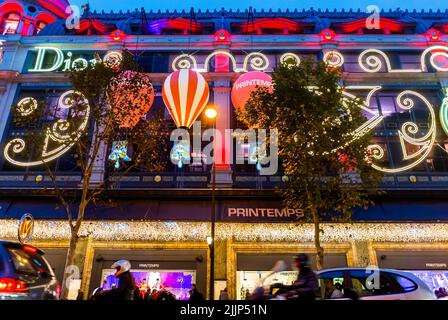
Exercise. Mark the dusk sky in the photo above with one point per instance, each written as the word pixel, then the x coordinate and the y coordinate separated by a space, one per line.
pixel 107 5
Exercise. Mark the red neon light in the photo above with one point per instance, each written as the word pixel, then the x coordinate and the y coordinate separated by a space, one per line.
pixel 328 34
pixel 176 24
pixel 433 34
pixel 284 24
pixel 92 26
pixel 392 25
pixel 118 35
pixel 57 7
pixel 222 35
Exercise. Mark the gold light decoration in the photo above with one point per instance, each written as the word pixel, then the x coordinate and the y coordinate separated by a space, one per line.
pixel 250 232
pixel 61 133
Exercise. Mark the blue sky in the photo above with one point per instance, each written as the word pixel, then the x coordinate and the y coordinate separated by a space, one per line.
pixel 107 5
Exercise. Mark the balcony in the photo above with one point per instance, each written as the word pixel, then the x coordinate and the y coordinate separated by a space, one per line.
pixel 199 180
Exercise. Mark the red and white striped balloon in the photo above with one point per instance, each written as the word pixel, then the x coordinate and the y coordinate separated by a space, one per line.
pixel 185 93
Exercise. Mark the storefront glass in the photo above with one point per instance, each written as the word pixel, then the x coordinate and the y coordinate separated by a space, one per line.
pixel 434 279
pixel 248 281
pixel 178 282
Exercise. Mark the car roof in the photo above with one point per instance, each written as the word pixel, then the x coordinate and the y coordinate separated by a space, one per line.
pixel 362 269
pixel 399 272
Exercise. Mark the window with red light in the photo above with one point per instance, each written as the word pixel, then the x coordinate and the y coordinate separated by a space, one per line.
pixel 10 23
pixel 39 26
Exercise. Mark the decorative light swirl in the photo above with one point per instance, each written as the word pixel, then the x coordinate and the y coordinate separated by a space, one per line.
pixel 54 134
pixel 404 102
pixel 333 58
pixel 407 129
pixel 444 112
pixel 257 61
pixel 369 61
pixel 59 130
pixel 113 59
pixel 290 56
pixel 376 151
pixel 26 106
pixel 184 61
pixel 434 56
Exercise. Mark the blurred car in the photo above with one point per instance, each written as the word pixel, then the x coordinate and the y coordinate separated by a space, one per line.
pixel 372 284
pixel 25 274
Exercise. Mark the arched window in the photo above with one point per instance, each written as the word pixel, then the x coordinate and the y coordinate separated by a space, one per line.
pixel 39 26
pixel 10 23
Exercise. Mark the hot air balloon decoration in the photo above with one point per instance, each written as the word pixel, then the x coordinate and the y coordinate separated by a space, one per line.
pixel 133 96
pixel 185 93
pixel 248 83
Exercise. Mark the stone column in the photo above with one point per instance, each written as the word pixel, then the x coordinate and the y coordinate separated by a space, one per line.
pixel 362 256
pixel 221 99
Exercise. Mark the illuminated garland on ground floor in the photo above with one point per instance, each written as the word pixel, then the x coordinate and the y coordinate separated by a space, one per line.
pixel 198 231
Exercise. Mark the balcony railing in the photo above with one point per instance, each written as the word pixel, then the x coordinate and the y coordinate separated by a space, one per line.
pixel 171 180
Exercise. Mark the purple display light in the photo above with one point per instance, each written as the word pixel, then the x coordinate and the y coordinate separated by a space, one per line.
pixel 177 282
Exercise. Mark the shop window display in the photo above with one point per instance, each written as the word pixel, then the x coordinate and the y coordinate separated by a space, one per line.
pixel 176 282
pixel 248 281
pixel 436 280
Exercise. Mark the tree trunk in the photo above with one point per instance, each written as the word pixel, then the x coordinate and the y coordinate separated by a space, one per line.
pixel 319 249
pixel 69 265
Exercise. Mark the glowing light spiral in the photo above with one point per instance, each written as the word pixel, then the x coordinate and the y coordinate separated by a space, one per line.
pixel 184 61
pixel 256 61
pixel 409 130
pixel 290 56
pixel 333 58
pixel 58 133
pixel 26 106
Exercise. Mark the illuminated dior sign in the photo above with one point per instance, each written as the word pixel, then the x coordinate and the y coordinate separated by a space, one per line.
pixel 264 213
pixel 66 62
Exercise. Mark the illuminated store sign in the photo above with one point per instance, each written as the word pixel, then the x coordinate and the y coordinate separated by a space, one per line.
pixel 271 213
pixel 50 59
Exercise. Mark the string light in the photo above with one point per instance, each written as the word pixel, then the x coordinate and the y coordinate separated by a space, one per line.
pixel 256 60
pixel 444 112
pixel 26 106
pixel 434 55
pixel 253 232
pixel 426 142
pixel 287 56
pixel 333 58
pixel 52 134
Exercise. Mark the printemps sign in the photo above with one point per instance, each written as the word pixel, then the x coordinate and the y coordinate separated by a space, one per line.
pixel 49 59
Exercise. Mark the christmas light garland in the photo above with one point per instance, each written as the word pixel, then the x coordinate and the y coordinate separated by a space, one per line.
pixel 250 232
